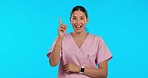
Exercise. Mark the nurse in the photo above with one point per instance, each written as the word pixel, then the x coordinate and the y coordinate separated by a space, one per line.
pixel 80 54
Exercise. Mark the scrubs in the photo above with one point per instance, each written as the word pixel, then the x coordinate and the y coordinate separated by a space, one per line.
pixel 93 51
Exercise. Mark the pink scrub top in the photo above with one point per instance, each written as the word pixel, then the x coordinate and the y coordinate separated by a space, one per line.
pixel 93 51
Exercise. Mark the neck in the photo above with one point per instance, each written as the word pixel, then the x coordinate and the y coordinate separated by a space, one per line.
pixel 80 35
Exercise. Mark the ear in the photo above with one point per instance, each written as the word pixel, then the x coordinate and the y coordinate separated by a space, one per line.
pixel 70 19
pixel 86 20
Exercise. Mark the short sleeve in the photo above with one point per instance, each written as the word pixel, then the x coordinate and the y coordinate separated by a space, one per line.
pixel 52 47
pixel 103 52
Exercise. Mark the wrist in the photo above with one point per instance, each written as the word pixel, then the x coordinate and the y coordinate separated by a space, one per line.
pixel 78 69
pixel 59 41
pixel 60 38
pixel 82 69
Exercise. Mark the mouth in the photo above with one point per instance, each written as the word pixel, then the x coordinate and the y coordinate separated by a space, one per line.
pixel 78 27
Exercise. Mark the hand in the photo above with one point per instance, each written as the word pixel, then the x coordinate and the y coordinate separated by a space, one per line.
pixel 72 68
pixel 62 29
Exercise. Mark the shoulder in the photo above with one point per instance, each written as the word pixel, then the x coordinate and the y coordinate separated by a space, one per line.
pixel 95 36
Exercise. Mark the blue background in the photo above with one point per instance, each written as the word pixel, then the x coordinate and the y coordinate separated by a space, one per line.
pixel 29 27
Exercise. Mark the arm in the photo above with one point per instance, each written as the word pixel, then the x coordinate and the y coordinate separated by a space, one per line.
pixel 100 72
pixel 55 54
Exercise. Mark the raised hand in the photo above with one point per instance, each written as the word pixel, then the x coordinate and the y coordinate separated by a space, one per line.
pixel 62 29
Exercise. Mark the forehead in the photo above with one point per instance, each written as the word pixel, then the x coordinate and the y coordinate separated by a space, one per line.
pixel 78 13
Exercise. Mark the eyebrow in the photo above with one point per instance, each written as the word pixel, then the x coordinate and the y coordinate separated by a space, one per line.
pixel 80 16
pixel 73 16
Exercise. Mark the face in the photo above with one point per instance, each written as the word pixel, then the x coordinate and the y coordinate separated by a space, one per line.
pixel 78 21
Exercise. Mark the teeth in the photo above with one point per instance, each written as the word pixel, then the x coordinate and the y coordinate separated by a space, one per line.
pixel 78 26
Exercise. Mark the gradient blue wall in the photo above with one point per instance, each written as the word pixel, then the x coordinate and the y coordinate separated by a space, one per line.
pixel 29 27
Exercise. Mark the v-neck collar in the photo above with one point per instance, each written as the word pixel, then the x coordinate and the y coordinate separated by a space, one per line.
pixel 84 42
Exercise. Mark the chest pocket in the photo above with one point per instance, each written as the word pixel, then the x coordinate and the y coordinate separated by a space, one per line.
pixel 90 61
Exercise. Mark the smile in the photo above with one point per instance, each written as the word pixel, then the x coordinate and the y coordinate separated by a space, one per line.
pixel 78 27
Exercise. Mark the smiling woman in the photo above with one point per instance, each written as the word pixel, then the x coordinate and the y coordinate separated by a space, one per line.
pixel 79 52
pixel 79 13
pixel 28 27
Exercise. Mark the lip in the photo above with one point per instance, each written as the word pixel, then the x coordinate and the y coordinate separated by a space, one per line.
pixel 78 27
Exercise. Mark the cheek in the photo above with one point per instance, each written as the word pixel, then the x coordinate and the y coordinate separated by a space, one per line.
pixel 83 21
pixel 73 22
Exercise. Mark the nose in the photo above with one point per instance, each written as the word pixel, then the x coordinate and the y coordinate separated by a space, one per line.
pixel 78 21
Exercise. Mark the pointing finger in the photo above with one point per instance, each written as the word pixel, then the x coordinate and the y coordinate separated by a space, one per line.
pixel 60 21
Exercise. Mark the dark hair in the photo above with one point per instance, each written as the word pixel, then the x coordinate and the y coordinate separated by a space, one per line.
pixel 79 8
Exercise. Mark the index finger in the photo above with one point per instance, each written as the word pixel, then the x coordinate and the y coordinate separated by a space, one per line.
pixel 60 21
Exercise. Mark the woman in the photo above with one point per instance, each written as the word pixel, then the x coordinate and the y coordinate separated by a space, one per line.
pixel 79 52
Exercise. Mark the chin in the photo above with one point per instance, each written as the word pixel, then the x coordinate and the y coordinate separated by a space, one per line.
pixel 78 31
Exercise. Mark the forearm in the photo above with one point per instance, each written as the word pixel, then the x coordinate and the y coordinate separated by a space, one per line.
pixel 91 72
pixel 55 54
pixel 95 73
pixel 100 72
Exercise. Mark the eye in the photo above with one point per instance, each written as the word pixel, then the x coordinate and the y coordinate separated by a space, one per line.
pixel 82 18
pixel 74 18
